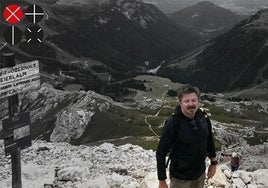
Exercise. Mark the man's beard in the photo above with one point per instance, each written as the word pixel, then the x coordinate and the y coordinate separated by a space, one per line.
pixel 191 109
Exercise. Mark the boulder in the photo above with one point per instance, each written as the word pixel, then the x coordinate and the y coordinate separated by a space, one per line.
pixel 261 177
pixel 238 183
pixel 219 179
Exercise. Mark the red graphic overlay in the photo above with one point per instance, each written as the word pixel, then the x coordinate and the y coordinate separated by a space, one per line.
pixel 13 14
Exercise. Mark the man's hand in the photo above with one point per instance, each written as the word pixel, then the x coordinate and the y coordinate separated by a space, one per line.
pixel 162 184
pixel 211 171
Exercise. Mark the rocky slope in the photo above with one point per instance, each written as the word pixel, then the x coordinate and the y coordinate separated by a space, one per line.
pixel 79 116
pixel 65 116
pixel 127 32
pixel 80 166
pixel 128 166
pixel 236 59
pixel 84 117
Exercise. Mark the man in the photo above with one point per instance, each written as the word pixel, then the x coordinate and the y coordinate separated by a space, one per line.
pixel 187 135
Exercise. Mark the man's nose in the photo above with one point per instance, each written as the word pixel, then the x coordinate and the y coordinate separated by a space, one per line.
pixel 191 103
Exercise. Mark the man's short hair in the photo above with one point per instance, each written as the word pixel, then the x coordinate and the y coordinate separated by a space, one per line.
pixel 187 89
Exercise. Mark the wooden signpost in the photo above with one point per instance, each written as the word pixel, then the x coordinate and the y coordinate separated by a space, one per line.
pixel 15 79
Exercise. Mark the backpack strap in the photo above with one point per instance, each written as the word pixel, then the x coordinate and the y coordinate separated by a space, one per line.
pixel 175 121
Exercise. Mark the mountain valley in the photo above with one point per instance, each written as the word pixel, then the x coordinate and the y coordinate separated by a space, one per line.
pixel 109 74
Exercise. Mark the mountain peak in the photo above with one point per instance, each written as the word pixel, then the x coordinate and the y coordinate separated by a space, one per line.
pixel 205 3
pixel 206 18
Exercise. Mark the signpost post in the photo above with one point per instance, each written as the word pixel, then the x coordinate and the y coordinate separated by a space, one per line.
pixel 13 102
pixel 15 79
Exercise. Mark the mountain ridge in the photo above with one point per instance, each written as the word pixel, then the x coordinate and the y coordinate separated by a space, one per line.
pixel 96 43
pixel 242 51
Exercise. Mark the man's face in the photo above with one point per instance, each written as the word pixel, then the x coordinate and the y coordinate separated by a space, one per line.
pixel 189 104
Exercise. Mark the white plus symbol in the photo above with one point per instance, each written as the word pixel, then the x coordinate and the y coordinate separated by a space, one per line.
pixel 34 13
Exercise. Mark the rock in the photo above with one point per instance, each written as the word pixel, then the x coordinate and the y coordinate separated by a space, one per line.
pixel 98 182
pixel 72 120
pixel 252 186
pixel 104 166
pixel 219 179
pixel 238 183
pixel 228 173
pixel 245 177
pixel 265 145
pixel 150 103
pixel 106 148
pixel 42 148
pixel 115 180
pixel 69 174
pixel 260 177
pixel 150 181
pixel 236 174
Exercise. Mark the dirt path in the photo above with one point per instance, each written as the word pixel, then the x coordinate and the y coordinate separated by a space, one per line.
pixel 149 125
pixel 156 115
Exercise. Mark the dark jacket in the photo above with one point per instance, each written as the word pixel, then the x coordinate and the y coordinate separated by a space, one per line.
pixel 190 142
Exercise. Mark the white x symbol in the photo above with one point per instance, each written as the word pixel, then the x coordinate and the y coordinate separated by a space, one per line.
pixel 13 13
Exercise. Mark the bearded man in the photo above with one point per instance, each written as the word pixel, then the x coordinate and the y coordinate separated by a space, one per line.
pixel 187 135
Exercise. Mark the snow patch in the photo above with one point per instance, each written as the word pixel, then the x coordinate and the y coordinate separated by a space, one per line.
pixel 102 21
pixel 196 15
pixel 133 11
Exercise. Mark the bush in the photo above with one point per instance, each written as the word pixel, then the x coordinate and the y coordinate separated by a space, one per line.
pixel 172 93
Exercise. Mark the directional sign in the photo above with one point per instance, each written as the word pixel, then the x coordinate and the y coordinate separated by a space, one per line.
pixel 20 78
pixel 20 86
pixel 17 133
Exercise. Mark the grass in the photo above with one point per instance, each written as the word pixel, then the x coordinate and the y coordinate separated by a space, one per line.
pixel 157 84
pixel 257 139
pixel 166 112
pixel 113 124
pixel 156 121
pixel 118 122
pixel 217 144
pixel 145 144
pixel 148 111
pixel 255 93
pixel 173 104
pixel 219 114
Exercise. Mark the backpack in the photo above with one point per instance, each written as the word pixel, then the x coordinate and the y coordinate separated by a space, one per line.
pixel 175 120
pixel 235 161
